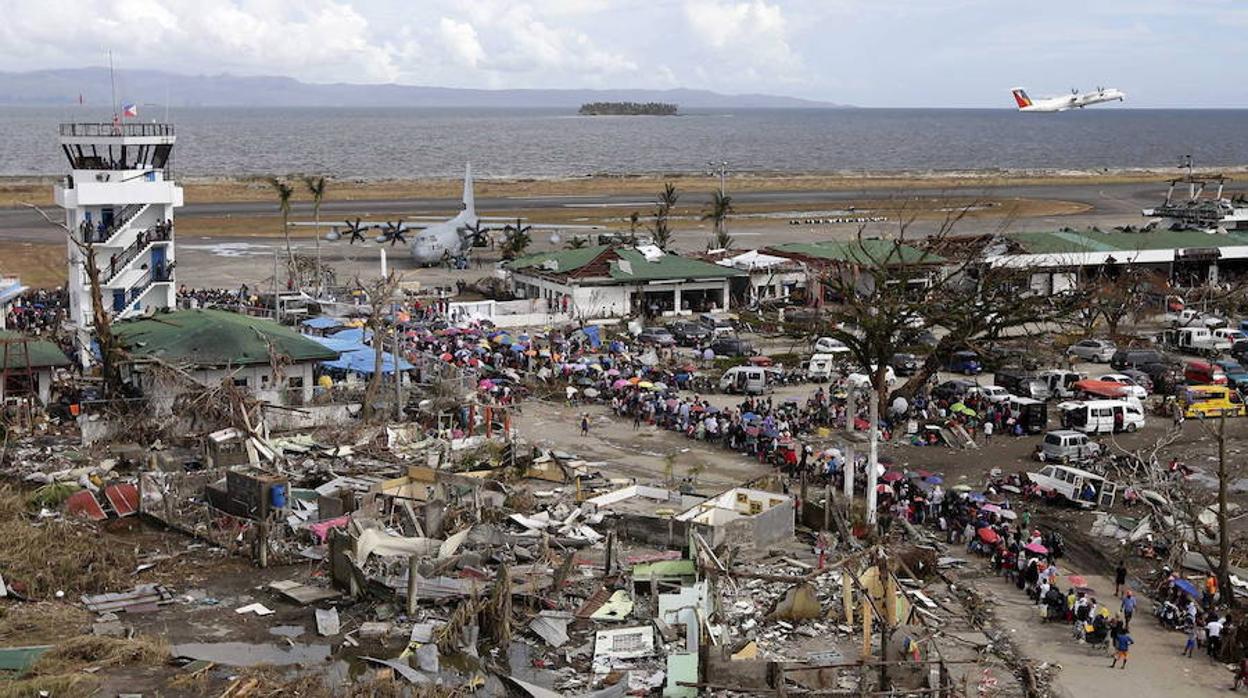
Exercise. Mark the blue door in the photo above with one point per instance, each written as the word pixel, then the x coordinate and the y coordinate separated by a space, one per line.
pixel 158 263
pixel 119 300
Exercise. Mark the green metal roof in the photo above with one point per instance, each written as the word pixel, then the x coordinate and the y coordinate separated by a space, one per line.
pixel 664 569
pixel 637 267
pixel 43 354
pixel 859 251
pixel 1067 241
pixel 215 338
pixel 669 266
pixel 567 260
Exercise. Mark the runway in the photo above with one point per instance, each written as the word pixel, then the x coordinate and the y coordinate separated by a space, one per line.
pixel 1118 201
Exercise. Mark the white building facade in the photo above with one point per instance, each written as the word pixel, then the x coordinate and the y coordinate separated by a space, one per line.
pixel 119 200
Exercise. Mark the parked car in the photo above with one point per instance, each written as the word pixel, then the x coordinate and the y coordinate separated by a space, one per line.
pixel 1130 387
pixel 1236 374
pixel 1230 335
pixel 1204 373
pixel 746 380
pixel 1141 378
pixel 689 334
pixel 1098 350
pixel 904 364
pixel 861 379
pixel 1239 351
pixel 952 391
pixel 965 362
pixel 717 326
pixel 732 346
pixel 1165 376
pixel 1068 446
pixel 1136 358
pixel 1189 317
pixel 999 357
pixel 658 336
pixel 991 393
pixel 830 345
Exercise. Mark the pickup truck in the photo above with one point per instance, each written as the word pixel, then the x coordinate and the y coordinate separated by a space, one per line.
pixel 1189 317
pixel 1195 340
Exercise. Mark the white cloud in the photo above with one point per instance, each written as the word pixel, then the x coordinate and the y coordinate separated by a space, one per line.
pixel 750 35
pixel 460 39
pixel 317 40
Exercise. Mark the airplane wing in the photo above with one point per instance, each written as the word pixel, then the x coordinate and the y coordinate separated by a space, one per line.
pixel 558 226
pixel 365 224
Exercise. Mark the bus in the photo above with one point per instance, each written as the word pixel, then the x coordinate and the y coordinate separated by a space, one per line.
pixel 1211 401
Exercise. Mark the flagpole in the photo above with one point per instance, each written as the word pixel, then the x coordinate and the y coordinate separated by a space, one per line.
pixel 112 79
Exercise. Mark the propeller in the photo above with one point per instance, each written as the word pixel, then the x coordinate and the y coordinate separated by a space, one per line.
pixel 355 229
pixel 518 229
pixel 479 233
pixel 394 233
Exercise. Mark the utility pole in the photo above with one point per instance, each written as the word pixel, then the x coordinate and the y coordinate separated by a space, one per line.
pixel 398 375
pixel 873 454
pixel 721 169
pixel 1224 537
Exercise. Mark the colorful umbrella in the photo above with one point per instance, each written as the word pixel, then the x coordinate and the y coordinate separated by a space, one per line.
pixel 1076 581
pixel 988 535
pixel 892 476
pixel 619 384
pixel 934 479
pixel 992 508
pixel 1036 548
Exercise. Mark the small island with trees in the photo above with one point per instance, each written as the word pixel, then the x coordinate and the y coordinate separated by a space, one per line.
pixel 628 109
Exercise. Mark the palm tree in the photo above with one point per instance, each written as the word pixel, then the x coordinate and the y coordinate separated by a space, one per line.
pixel 718 210
pixel 633 221
pixel 516 242
pixel 576 242
pixel 284 192
pixel 661 229
pixel 316 187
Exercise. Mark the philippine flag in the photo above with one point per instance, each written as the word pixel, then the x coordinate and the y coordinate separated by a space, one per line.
pixel 131 110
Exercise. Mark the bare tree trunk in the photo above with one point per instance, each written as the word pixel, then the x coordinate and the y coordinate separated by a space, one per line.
pixel 1224 535
pixel 379 296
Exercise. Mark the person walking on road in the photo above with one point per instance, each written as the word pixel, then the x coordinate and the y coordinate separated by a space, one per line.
pixel 585 425
pixel 1190 647
pixel 1128 609
pixel 1120 577
pixel 1122 645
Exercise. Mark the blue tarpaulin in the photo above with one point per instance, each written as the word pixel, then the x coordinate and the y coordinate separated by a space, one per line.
pixel 321 323
pixel 356 356
pixel 592 334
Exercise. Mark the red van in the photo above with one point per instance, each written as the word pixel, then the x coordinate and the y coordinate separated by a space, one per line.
pixel 1204 373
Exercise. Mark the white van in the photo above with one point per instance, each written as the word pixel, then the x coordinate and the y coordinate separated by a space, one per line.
pixel 747 380
pixel 1080 487
pixel 821 367
pixel 1102 416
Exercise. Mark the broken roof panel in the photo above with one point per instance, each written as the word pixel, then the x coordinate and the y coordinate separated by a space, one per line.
pixel 215 338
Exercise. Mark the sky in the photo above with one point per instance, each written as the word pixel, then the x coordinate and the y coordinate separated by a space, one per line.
pixel 874 53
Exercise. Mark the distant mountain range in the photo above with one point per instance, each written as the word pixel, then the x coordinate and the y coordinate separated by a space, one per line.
pixel 55 87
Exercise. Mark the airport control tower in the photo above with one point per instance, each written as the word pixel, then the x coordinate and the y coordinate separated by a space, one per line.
pixel 119 198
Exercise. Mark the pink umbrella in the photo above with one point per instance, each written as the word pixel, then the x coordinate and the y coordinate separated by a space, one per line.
pixel 991 508
pixel 892 476
pixel 1077 581
pixel 1036 548
pixel 620 384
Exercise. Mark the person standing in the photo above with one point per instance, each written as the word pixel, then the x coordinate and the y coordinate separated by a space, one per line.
pixel 1213 631
pixel 1128 609
pixel 1120 577
pixel 1190 647
pixel 1122 645
pixel 585 425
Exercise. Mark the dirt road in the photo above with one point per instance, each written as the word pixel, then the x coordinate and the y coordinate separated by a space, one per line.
pixel 1155 668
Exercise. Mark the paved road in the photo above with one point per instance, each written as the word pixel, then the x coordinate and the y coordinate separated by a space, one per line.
pixel 1119 200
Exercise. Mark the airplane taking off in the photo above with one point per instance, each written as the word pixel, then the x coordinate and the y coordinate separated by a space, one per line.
pixel 439 240
pixel 1076 100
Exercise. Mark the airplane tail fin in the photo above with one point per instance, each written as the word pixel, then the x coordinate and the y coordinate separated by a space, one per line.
pixel 470 204
pixel 1020 96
